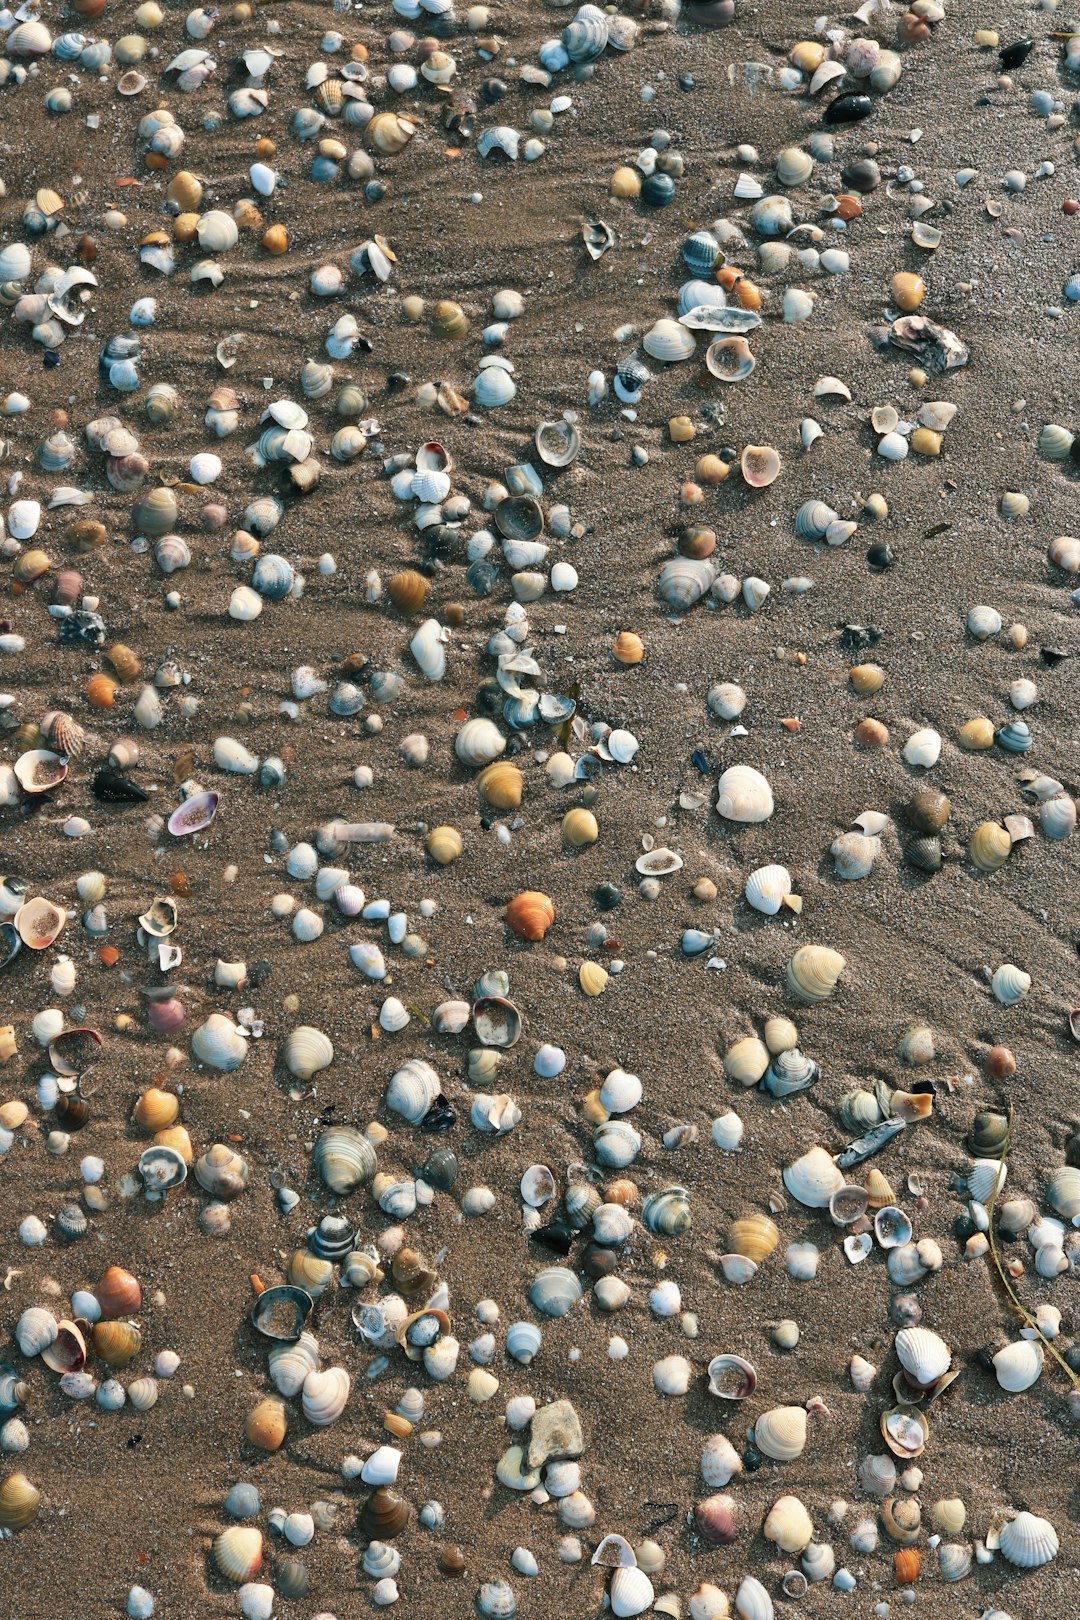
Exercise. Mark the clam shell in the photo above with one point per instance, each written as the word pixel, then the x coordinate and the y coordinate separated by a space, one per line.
pixel 344 1158
pixel 813 972
pixel 813 1178
pixel 731 1378
pixel 554 1291
pixel 306 1051
pixel 684 581
pixel 668 341
pixel 324 1395
pixel 781 1434
pixel 743 795
pixel 788 1525
pixel 1018 1365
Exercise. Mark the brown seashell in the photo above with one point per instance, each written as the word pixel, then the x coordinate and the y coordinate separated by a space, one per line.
pixel 530 914
pixel 265 1425
pixel 908 290
pixel 86 535
pixel 184 191
pixel 715 1519
pixel 67 587
pixel 64 733
pixel 276 239
pixel 389 132
pixel 385 1514
pixel 870 733
pixel 30 565
pixel 452 1561
pixel 907 1562
pixel 449 319
pixel 116 1343
pixel 124 662
pixel 118 1293
pixel 697 541
pixel 19 1502
pixel 408 591
pixel 156 1110
pixel 1000 1063
pixel 929 810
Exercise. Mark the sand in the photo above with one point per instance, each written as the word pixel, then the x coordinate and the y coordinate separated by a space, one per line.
pixel 136 1498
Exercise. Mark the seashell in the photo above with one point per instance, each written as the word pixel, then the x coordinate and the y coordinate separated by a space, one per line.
pixel 744 795
pixel 892 1227
pixel 989 846
pixel 731 1378
pixel 922 748
pixel 781 1435
pixel 38 923
pixel 324 1395
pixel 290 1364
pixel 238 1553
pixel 35 1330
pixel 554 1291
pixel 813 1178
pixel 813 972
pixel 219 1043
pixel 771 216
pixel 479 742
pixel 116 1343
pixel 684 581
pixel 854 855
pixel 39 770
pixel 789 1072
pixel 194 814
pixel 501 784
pixel 1063 1192
pixel 788 1525
pixel 222 1172
pixel 19 1499
pixel 523 1341
pixel 530 915
pixel 344 1159
pixel 667 1213
pixel 813 519
pixel 1010 984
pixel 727 701
pixel 760 465
pixel 754 1236
pixel 630 1591
pixel 412 1090
pixel 954 1562
pixel 669 341
pixel 905 1431
pixel 1015 737
pixel 924 1356
pixel 230 755
pixel 307 1051
pixel 1018 1365
pixel 1028 1541
pixel 768 889
pixel 746 1061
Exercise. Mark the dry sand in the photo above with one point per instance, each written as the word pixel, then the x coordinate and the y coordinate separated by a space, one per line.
pixel 131 1498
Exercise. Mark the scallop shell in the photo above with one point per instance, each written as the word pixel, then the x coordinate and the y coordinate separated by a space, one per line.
pixel 781 1433
pixel 744 795
pixel 238 1552
pixel 813 972
pixel 790 1071
pixel 19 1499
pixel 35 1330
pixel 768 888
pixel 1029 1541
pixel 324 1395
pixel 344 1158
pixel 813 1178
pixel 813 520
pixel 924 1356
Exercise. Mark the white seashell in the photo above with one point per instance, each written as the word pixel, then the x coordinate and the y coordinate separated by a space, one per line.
pixel 479 742
pixel 767 888
pixel 1018 1366
pixel 621 1091
pixel 230 755
pixel 669 341
pixel 986 1177
pixel 1010 984
pixel 631 1591
pixel 324 1395
pixel 727 700
pixel 427 648
pixel 219 1043
pixel 854 855
pixel 672 1375
pixel 1057 818
pixel 924 1356
pixel 727 1132
pixel 35 1330
pixel 1029 1541
pixel 744 795
pixel 752 1601
pixel 788 1524
pixel 922 748
pixel 368 958
pixel 289 1364
pixel 813 1178
pixel 720 1461
pixel 781 1435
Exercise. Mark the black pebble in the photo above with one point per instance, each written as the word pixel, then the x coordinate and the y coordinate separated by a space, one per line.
pixel 752 1459
pixel 881 555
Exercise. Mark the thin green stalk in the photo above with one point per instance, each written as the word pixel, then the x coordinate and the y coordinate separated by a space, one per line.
pixel 1021 1310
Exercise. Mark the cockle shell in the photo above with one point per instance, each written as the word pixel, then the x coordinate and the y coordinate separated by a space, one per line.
pixel 1029 1541
pixel 813 1178
pixel 744 795
pixel 238 1552
pixel 924 1356
pixel 781 1434
pixel 768 889
pixel 1010 984
pixel 1018 1365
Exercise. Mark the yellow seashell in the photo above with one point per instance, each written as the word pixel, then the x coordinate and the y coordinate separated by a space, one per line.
pixel 746 1061
pixel 754 1236
pixel 156 1110
pixel 238 1550
pixel 908 290
pixel 949 1515
pixel 977 734
pixel 625 182
pixel 19 1502
pixel 30 566
pixel 879 1190
pixel 444 845
pixel 780 1035
pixel 926 442
pixel 501 784
pixel 807 55
pixel 7 1052
pixel 592 978
pixel 628 648
pixel 989 846
pixel 116 1343
pixel 177 1138
pixel 593 1110
pixel 788 1525
pixel 579 828
pixel 813 971
pixel 866 678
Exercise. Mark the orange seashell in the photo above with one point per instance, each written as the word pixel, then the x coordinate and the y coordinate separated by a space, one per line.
pixel 408 591
pixel 118 1293
pixel 116 1343
pixel 156 1110
pixel 276 239
pixel 124 661
pixel 265 1426
pixel 101 691
pixel 908 290
pixel 847 206
pixel 530 914
pixel 749 295
pixel 628 648
pixel 907 1562
pixel 155 160
pixel 729 276
pixel 108 955
pixel 86 535
pixel 177 1138
pixel 1000 1063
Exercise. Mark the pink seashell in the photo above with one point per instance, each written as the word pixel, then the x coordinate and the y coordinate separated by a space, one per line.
pixel 214 515
pixel 67 588
pixel 165 1016
pixel 194 814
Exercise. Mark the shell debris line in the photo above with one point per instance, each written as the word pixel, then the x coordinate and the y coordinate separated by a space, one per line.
pixel 538 768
